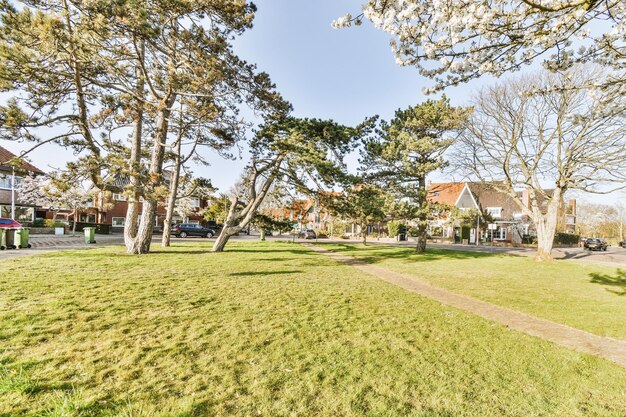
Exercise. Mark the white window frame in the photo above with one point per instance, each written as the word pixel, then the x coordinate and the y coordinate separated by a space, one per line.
pixel 7 177
pixel 119 197
pixel 500 233
pixel 491 211
pixel 195 202
pixel 113 221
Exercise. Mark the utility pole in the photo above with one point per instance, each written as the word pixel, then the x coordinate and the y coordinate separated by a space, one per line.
pixel 13 193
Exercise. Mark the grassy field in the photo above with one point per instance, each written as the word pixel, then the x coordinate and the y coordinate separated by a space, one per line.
pixel 586 296
pixel 266 329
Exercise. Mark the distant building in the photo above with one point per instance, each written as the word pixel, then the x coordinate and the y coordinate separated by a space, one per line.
pixel 10 177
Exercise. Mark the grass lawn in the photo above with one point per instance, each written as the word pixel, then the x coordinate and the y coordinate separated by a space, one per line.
pixel 586 296
pixel 266 329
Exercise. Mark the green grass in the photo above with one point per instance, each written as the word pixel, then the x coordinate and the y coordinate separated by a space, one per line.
pixel 266 329
pixel 583 295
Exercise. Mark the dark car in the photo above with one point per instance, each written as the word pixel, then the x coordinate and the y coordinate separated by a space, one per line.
pixel 9 223
pixel 190 229
pixel 623 243
pixel 596 244
pixel 307 234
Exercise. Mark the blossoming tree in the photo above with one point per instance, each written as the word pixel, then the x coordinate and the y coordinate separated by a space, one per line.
pixel 454 41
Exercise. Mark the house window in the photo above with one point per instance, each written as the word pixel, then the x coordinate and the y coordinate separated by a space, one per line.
pixel 22 214
pixel 119 197
pixel 195 202
pixel 499 233
pixel 118 221
pixel 5 181
pixel 87 218
pixel 518 216
pixel 495 212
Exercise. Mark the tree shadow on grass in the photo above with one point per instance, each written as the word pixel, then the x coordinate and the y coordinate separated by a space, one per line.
pixel 618 280
pixel 261 273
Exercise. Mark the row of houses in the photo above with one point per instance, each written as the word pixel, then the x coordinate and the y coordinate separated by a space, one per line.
pixel 109 207
pixel 511 225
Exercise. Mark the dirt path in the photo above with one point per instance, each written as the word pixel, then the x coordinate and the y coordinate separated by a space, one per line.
pixel 569 337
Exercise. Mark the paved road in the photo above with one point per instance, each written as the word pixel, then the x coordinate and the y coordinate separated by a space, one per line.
pixel 47 243
pixel 51 243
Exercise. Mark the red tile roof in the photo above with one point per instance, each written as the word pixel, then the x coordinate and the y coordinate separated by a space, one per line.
pixel 445 192
pixel 6 156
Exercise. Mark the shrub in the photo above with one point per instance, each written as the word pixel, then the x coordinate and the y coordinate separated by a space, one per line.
pixel 413 232
pixel 321 233
pixel 395 227
pixel 566 239
pixel 53 223
pixel 339 228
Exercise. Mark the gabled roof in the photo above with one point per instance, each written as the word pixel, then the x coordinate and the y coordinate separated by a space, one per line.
pixel 6 156
pixel 445 192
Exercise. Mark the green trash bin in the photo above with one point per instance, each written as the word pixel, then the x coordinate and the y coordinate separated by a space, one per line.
pixel 9 238
pixel 22 237
pixel 90 235
pixel 3 238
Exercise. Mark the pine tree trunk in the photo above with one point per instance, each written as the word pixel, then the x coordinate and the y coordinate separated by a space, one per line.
pixel 422 219
pixel 171 199
pixel 420 246
pixel 132 211
pixel 141 244
pixel 225 235
pixel 364 232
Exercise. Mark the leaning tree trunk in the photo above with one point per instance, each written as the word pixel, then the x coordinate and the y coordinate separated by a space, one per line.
pixel 171 199
pixel 141 243
pixel 225 235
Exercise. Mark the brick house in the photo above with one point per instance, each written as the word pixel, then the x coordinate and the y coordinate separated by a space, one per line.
pixel 10 178
pixel 109 208
pixel 511 224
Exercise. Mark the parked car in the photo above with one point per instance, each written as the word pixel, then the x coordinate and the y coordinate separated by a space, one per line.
pixel 623 243
pixel 190 229
pixel 307 234
pixel 215 226
pixel 9 223
pixel 596 244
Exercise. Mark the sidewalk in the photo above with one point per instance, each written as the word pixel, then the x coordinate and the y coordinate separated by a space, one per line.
pixel 50 243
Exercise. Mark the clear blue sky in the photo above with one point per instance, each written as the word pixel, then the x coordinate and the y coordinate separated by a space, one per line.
pixel 345 74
